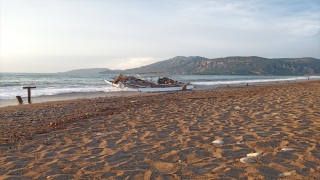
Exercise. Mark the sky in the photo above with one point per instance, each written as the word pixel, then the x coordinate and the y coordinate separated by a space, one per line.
pixel 60 35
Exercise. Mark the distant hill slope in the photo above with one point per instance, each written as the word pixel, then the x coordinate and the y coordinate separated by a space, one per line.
pixel 251 65
pixel 90 71
pixel 176 65
pixel 237 65
pixel 257 66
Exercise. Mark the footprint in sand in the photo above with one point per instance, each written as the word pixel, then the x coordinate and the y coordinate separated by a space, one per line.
pixel 165 167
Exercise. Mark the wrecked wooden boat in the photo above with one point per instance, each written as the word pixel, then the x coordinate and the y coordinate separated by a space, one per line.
pixel 163 84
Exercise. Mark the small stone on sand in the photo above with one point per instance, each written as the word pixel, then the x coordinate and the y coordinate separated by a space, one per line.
pixel 237 108
pixel 286 149
pixel 99 134
pixel 218 142
pixel 285 174
pixel 253 154
pixel 247 160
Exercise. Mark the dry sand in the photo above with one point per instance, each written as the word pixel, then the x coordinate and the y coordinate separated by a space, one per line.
pixel 167 136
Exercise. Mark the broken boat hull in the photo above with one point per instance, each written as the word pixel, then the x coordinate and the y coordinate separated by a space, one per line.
pixel 145 86
pixel 165 89
pixel 110 82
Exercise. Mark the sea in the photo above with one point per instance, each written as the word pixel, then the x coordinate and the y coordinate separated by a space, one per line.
pixel 50 84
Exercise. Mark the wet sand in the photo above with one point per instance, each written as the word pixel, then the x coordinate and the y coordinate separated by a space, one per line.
pixel 167 135
pixel 63 97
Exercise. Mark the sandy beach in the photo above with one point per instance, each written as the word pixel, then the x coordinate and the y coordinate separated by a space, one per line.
pixel 248 132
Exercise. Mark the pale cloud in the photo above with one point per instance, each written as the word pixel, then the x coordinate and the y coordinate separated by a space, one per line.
pixel 304 25
pixel 256 15
pixel 59 35
pixel 129 63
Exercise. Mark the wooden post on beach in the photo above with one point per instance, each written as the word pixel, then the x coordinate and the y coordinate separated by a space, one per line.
pixel 29 93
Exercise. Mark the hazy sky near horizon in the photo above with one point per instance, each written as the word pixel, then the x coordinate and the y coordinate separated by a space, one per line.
pixel 61 35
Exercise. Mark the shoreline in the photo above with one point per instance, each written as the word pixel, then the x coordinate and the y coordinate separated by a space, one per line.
pixel 83 95
pixel 64 97
pixel 201 134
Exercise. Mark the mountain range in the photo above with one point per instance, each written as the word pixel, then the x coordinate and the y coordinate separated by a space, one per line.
pixel 235 65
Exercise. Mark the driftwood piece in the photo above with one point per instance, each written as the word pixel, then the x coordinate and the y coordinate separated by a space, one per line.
pixel 19 99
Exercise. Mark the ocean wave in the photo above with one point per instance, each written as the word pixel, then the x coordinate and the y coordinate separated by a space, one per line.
pixel 12 92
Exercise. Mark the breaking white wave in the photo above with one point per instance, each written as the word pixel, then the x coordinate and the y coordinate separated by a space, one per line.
pixel 12 92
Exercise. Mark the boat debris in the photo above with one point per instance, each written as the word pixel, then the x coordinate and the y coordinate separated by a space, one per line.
pixel 162 85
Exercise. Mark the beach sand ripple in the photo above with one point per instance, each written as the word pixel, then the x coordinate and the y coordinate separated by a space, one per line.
pixel 167 135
